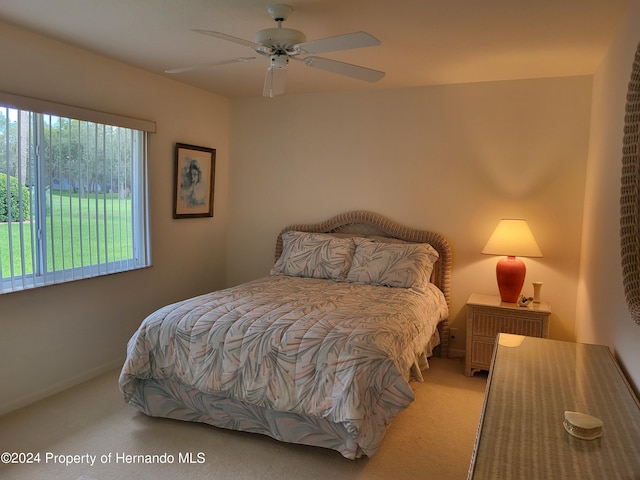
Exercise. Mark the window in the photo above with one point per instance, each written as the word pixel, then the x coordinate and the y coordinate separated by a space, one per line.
pixel 72 199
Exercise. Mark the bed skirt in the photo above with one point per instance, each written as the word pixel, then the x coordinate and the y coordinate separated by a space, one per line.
pixel 169 399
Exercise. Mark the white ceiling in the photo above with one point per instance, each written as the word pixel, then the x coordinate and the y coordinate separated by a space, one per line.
pixel 424 42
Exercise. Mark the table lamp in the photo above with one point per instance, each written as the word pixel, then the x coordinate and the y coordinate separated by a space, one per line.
pixel 512 238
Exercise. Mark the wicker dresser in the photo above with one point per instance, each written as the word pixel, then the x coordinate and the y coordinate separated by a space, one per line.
pixel 487 316
pixel 532 382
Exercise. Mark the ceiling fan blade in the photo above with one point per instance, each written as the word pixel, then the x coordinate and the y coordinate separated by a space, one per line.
pixel 274 81
pixel 341 68
pixel 229 38
pixel 340 42
pixel 209 64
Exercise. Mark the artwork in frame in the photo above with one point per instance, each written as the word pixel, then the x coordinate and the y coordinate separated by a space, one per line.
pixel 194 181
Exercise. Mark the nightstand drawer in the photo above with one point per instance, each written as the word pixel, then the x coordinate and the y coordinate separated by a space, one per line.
pixel 482 350
pixel 488 323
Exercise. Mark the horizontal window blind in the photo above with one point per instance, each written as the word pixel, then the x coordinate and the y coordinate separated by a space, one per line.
pixel 37 105
pixel 73 196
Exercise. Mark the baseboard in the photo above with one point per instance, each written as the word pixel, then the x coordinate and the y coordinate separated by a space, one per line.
pixel 78 379
pixel 456 353
pixel 58 387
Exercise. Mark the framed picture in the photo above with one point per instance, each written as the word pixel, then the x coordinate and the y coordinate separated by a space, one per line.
pixel 194 181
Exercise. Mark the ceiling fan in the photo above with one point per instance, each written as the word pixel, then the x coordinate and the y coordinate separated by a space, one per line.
pixel 280 45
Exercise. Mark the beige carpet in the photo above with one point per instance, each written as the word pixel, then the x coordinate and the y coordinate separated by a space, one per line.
pixel 432 439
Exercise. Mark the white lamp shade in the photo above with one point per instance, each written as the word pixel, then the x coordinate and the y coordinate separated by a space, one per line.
pixel 512 237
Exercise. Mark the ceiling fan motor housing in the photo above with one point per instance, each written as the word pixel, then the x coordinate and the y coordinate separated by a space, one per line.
pixel 279 37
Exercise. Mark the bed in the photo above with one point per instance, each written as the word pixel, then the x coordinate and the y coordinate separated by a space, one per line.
pixel 319 352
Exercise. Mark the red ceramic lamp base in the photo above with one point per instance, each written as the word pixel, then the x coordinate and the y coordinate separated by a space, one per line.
pixel 510 273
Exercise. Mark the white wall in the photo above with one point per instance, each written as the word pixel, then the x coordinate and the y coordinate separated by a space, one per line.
pixel 56 336
pixel 454 159
pixel 603 317
pixel 451 158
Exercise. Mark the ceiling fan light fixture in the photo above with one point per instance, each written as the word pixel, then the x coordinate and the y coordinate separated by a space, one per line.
pixel 274 82
pixel 279 61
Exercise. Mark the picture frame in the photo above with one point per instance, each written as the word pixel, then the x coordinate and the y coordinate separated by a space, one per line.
pixel 194 181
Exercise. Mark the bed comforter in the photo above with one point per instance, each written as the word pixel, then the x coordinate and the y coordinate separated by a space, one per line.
pixel 337 351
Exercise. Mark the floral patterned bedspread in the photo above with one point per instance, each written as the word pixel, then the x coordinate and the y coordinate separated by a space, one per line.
pixel 336 350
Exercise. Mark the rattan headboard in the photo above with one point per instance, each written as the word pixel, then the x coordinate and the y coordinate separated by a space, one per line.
pixel 364 223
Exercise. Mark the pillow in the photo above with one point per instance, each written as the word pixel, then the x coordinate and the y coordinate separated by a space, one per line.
pixel 314 255
pixel 403 265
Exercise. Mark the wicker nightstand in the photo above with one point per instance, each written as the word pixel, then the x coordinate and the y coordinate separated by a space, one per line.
pixel 487 316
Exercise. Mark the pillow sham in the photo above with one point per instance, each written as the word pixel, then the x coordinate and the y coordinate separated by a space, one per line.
pixel 402 265
pixel 314 255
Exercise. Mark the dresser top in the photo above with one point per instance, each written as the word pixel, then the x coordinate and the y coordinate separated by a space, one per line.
pixel 533 381
pixel 494 301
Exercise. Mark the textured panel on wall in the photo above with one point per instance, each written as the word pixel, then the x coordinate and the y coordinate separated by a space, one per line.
pixel 630 194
